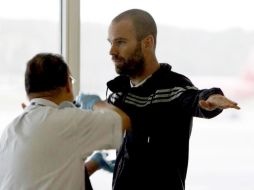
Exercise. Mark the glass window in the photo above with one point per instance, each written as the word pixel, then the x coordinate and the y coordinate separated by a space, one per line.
pixel 211 42
pixel 27 27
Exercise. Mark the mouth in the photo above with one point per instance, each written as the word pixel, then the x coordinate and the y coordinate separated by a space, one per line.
pixel 117 61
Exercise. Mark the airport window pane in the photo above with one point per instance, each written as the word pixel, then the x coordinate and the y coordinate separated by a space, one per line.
pixel 27 27
pixel 211 42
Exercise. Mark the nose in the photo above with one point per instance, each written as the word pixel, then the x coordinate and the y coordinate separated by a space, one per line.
pixel 113 50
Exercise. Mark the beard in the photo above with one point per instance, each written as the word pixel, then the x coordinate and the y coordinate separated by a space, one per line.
pixel 131 66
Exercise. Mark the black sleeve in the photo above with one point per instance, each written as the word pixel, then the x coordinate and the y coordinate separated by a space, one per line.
pixel 190 102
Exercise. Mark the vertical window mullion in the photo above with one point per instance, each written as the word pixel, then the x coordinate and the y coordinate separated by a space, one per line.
pixel 70 34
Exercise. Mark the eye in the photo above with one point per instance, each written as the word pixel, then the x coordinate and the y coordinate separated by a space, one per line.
pixel 120 42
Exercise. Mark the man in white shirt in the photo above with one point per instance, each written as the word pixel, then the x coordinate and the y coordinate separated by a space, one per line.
pixel 45 146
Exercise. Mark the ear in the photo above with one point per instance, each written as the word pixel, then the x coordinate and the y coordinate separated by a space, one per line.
pixel 148 42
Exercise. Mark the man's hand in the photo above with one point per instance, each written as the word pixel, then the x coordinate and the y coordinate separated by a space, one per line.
pixel 87 101
pixel 217 101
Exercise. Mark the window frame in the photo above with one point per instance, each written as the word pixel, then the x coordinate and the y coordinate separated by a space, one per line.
pixel 70 37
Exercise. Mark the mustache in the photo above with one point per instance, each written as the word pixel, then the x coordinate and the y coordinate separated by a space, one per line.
pixel 117 58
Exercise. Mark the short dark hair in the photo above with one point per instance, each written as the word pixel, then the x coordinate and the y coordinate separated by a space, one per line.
pixel 143 22
pixel 45 72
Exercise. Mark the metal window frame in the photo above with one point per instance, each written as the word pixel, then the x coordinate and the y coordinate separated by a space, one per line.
pixel 70 37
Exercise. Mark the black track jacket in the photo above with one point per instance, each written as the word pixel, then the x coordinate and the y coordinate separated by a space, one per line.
pixel 154 154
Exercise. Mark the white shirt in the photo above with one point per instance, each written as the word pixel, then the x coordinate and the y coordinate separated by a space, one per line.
pixel 139 84
pixel 45 147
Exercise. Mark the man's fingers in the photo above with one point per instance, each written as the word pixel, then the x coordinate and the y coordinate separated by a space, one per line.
pixel 227 103
pixel 233 105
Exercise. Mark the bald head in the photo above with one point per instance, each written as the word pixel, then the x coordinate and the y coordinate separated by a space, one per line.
pixel 143 22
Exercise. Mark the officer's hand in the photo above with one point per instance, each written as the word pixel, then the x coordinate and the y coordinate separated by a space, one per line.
pixel 101 159
pixel 87 101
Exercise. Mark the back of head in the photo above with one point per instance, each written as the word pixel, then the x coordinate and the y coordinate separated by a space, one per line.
pixel 45 72
pixel 143 22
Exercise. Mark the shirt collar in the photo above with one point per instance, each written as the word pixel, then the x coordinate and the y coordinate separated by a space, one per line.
pixel 43 102
pixel 139 84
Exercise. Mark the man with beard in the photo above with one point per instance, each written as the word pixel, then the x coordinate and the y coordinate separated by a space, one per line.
pixel 161 104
